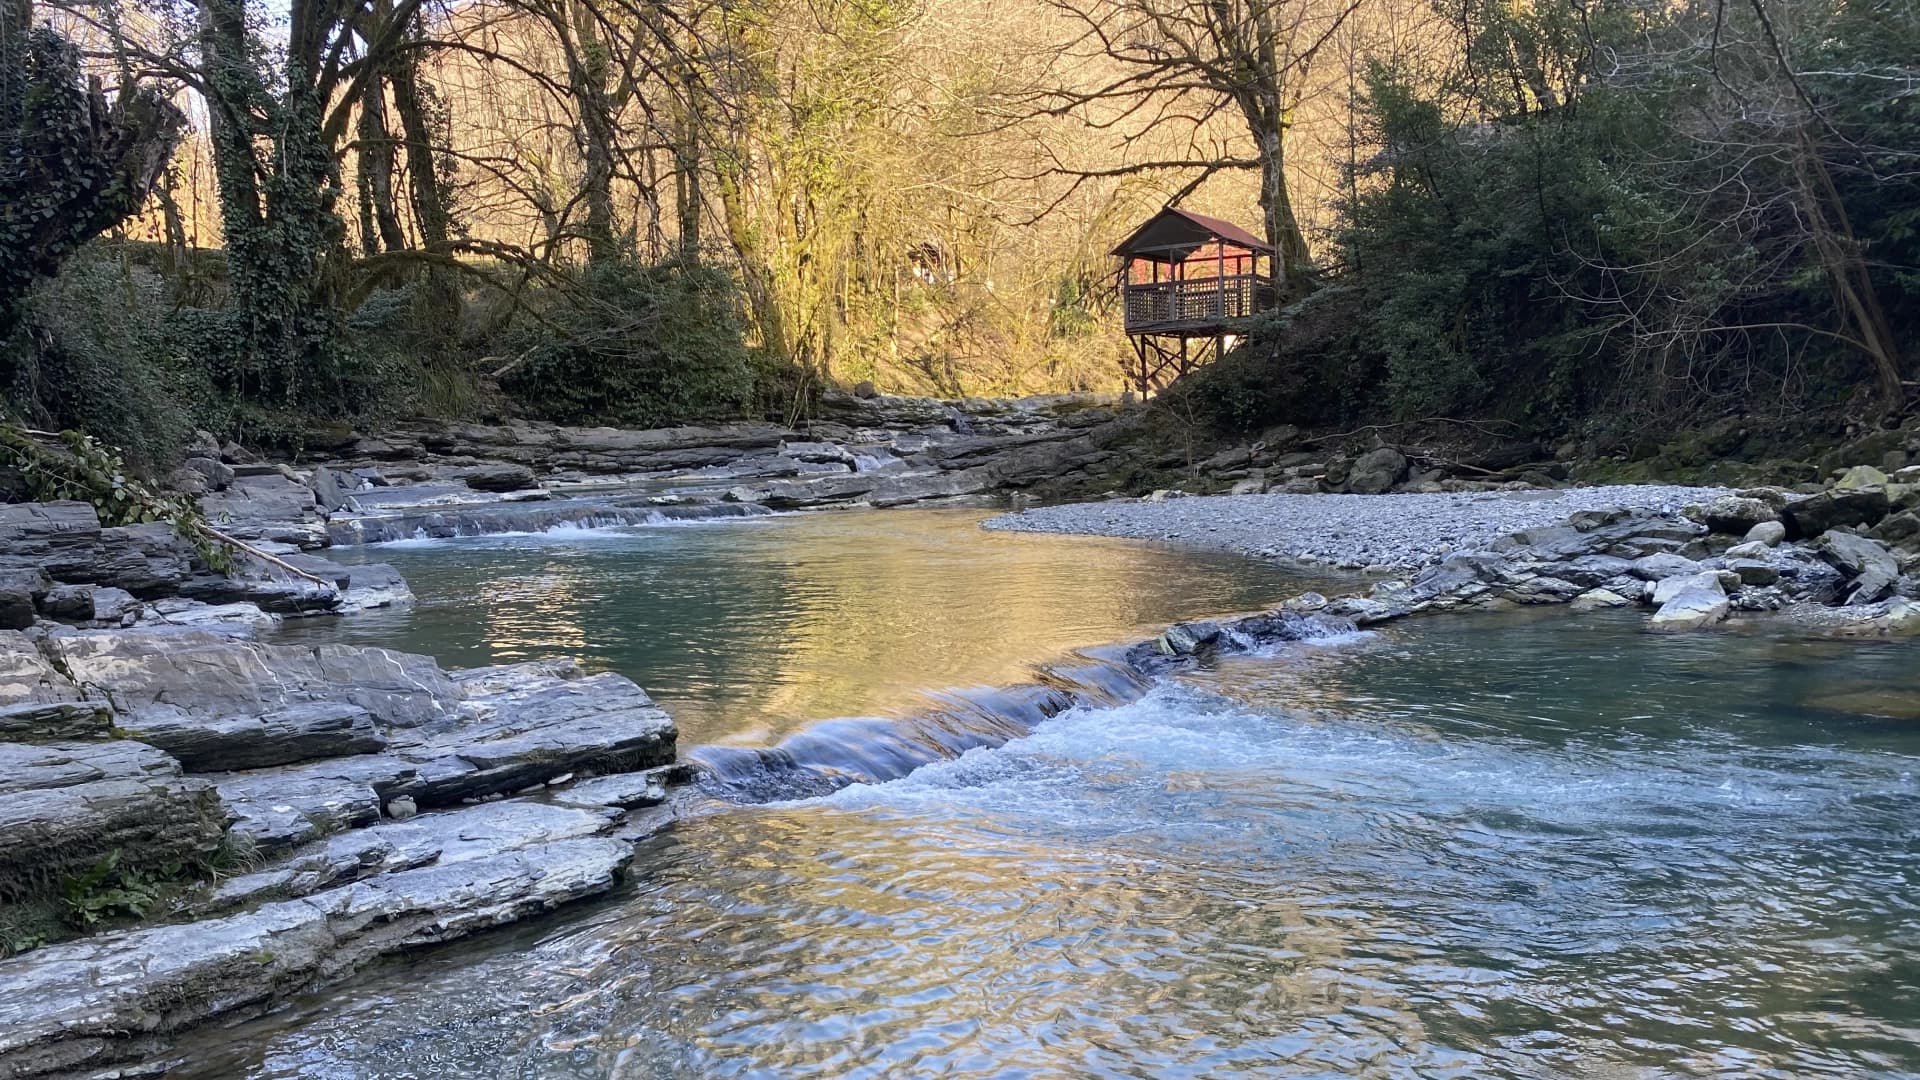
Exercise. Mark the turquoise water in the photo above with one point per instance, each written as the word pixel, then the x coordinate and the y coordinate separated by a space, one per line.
pixel 1510 846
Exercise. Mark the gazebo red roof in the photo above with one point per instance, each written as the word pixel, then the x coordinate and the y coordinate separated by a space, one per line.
pixel 1173 234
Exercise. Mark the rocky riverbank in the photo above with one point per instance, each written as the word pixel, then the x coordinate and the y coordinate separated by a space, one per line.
pixel 1842 559
pixel 276 816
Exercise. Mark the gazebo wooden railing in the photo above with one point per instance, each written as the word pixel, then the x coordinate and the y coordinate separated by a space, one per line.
pixel 1185 282
pixel 1199 303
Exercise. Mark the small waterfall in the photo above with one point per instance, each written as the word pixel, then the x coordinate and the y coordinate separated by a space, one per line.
pixel 527 517
pixel 834 754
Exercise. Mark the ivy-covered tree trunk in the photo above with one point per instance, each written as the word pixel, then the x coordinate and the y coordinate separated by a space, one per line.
pixel 282 233
pixel 72 164
pixel 587 77
pixel 422 114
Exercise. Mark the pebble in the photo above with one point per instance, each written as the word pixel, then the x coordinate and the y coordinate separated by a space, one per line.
pixel 1404 531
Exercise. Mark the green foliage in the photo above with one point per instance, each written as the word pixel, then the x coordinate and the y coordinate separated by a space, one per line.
pixel 87 471
pixel 108 891
pixel 71 165
pixel 634 345
pixel 92 353
pixel 1467 250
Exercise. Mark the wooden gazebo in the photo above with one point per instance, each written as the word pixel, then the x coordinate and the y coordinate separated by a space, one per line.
pixel 1186 278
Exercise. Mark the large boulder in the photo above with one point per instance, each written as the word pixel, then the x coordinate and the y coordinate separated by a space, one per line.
pixel 270 497
pixel 1735 515
pixel 21 590
pixel 1861 477
pixel 1690 603
pixel 148 560
pixel 1873 568
pixel 501 478
pixel 329 489
pixel 1376 471
pixel 215 676
pixel 1837 508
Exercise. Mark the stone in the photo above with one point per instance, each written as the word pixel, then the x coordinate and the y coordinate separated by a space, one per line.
pixel 1668 588
pixel 19 588
pixel 148 561
pixel 1766 532
pixel 1733 514
pixel 1751 549
pixel 214 474
pixel 823 453
pixel 264 499
pixel 65 806
pixel 1861 476
pixel 1661 567
pixel 68 603
pixel 227 620
pixel 501 477
pixel 901 490
pixel 374 586
pixel 624 790
pixel 1754 571
pixel 1376 471
pixel 402 808
pixel 62 538
pixel 1597 599
pixel 1589 520
pixel 1690 603
pixel 187 482
pixel 1811 516
pixel 301 732
pixel 329 490
pixel 1895 617
pixel 1249 486
pixel 54 721
pixel 88 1005
pixel 1872 568
pixel 1898 530
pixel 218 676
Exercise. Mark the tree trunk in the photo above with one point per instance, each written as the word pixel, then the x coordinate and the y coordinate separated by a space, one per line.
pixel 1292 264
pixel 432 203
pixel 379 221
pixel 686 184
pixel 587 79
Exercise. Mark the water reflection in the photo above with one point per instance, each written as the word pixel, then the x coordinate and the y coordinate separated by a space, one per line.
pixel 1483 848
pixel 748 629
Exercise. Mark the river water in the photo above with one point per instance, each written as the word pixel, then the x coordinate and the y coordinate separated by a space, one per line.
pixel 1517 846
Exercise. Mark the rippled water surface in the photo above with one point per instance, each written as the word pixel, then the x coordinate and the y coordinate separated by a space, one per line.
pixel 748 628
pixel 1489 846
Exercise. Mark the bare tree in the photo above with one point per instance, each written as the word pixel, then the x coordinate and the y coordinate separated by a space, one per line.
pixel 1186 64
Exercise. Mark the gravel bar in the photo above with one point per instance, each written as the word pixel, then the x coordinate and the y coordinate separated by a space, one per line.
pixel 1347 531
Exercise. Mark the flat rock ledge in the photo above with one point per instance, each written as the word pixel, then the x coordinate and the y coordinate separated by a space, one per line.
pixel 356 801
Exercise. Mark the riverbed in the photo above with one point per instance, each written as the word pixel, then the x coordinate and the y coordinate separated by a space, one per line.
pixel 1515 846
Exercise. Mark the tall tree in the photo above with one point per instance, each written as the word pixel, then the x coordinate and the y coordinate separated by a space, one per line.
pixel 1185 64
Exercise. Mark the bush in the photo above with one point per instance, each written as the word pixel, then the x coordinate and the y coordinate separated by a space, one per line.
pixel 634 345
pixel 90 354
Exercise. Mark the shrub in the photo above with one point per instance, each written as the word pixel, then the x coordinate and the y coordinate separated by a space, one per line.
pixel 634 345
pixel 90 354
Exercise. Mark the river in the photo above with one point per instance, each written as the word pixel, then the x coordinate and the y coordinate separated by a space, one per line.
pixel 1512 846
